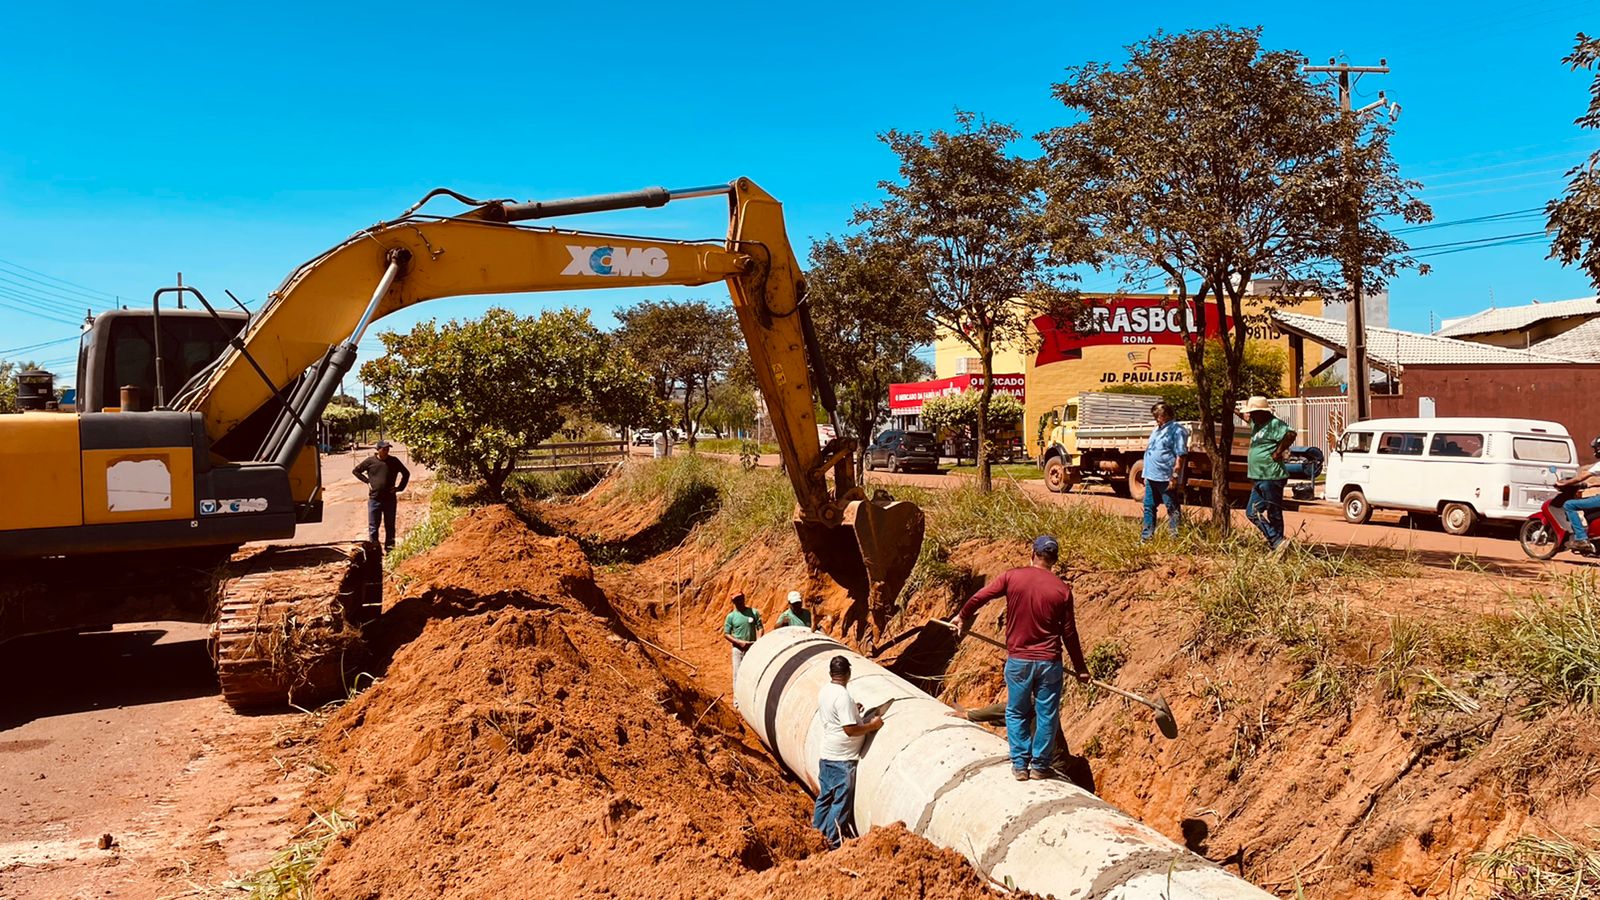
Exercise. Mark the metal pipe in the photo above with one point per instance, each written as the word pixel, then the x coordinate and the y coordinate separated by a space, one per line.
pixel 950 781
pixel 396 259
pixel 648 198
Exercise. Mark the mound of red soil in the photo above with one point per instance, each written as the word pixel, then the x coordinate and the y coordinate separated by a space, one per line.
pixel 523 745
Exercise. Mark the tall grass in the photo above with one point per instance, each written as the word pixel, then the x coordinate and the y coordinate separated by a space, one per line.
pixel 1533 868
pixel 731 506
pixel 1556 644
pixel 444 505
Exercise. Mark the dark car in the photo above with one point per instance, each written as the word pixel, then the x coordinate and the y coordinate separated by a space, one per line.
pixel 901 451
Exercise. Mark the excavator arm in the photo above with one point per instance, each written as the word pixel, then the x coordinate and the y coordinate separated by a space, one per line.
pixel 261 400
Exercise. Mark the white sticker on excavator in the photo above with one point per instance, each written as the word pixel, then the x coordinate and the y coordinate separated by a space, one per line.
pixel 135 484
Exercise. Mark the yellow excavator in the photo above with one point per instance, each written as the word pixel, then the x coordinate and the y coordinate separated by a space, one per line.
pixel 195 434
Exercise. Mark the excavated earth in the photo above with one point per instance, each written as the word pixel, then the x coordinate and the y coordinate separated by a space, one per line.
pixel 1370 801
pixel 521 740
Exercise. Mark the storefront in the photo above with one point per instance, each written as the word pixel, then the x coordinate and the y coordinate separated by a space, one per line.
pixel 905 400
pixel 1132 339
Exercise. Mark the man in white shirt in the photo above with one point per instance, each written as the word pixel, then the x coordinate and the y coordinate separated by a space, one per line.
pixel 843 732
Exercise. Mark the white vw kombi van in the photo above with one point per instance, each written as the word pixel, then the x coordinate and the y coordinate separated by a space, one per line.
pixel 1459 469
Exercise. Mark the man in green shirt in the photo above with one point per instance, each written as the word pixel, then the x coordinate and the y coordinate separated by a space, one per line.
pixel 796 615
pixel 741 628
pixel 1270 439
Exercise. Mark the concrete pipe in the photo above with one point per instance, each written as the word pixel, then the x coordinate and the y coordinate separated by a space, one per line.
pixel 950 781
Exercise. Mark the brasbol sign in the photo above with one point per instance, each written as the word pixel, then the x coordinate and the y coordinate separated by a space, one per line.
pixel 1128 320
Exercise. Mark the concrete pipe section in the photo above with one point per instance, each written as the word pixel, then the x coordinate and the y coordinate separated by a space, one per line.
pixel 950 781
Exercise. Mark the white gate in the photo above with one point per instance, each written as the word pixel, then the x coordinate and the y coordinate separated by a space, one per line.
pixel 1319 420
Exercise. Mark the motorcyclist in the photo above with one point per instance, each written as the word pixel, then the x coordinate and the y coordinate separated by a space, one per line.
pixel 1578 507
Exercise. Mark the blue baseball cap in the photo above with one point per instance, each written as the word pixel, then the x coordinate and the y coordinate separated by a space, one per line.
pixel 1045 545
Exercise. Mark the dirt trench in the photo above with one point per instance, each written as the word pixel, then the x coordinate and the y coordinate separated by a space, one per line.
pixel 522 741
pixel 1368 801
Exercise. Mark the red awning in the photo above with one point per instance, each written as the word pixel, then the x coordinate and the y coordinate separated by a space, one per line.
pixel 906 399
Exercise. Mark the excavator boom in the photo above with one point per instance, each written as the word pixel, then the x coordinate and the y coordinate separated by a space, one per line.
pixel 257 400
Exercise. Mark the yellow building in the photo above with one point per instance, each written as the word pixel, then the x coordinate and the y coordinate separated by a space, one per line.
pixel 953 356
pixel 1120 340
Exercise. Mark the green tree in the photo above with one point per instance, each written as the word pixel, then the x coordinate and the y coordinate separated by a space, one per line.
pixel 686 346
pixel 346 419
pixel 473 396
pixel 866 304
pixel 8 382
pixel 1261 375
pixel 970 216
pixel 1575 218
pixel 1209 163
pixel 958 414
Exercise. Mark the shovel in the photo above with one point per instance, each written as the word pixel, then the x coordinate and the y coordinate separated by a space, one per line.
pixel 1164 720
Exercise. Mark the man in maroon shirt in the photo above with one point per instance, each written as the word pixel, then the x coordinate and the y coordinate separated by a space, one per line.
pixel 1039 622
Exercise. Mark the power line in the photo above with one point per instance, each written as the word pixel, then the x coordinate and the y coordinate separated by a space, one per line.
pixel 1500 237
pixel 1515 215
pixel 28 295
pixel 32 305
pixel 39 346
pixel 72 284
pixel 36 313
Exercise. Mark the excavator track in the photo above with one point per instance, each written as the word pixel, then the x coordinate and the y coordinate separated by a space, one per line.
pixel 288 623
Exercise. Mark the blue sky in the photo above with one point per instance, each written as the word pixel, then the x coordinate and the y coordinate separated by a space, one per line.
pixel 232 142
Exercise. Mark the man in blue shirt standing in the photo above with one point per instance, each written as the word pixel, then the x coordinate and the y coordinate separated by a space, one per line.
pixel 1164 469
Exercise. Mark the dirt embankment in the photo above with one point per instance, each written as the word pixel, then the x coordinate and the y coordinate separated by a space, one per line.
pixel 522 743
pixel 1374 796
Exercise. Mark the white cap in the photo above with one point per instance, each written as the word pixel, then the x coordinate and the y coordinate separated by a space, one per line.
pixel 794 597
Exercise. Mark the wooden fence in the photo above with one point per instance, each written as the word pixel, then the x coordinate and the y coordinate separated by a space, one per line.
pixel 580 455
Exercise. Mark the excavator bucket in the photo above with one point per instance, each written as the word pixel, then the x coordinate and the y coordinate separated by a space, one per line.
pixel 889 536
pixel 870 554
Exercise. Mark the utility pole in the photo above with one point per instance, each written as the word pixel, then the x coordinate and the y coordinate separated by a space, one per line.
pixel 1355 345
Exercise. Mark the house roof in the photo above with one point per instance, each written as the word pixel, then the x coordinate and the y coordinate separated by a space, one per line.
pixel 1516 318
pixel 1392 350
pixel 1582 343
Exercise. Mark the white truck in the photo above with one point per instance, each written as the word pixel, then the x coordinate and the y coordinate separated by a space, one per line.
pixel 1096 437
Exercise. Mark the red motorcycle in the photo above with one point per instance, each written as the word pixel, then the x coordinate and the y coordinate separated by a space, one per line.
pixel 1546 532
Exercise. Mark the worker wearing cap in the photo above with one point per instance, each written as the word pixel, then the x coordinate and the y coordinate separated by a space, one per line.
pixel 385 476
pixel 741 628
pixel 1270 439
pixel 1039 624
pixel 844 732
pixel 796 616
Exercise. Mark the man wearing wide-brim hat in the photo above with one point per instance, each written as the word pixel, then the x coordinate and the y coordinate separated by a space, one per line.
pixel 1270 439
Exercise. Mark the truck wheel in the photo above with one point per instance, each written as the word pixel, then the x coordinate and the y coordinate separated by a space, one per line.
pixel 1136 481
pixel 1458 518
pixel 1055 475
pixel 1356 508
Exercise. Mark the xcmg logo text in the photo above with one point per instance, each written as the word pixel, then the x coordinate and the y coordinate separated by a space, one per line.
pixel 650 262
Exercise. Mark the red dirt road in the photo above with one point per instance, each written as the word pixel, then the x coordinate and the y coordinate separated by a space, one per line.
pixel 124 733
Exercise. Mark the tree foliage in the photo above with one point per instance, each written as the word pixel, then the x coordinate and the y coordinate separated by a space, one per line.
pixel 1575 218
pixel 345 419
pixel 1208 163
pixel 969 214
pixel 684 345
pixel 1262 375
pixel 870 319
pixel 473 396
pixel 9 371
pixel 958 413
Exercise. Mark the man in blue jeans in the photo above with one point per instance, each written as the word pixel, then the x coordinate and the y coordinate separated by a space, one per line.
pixel 1163 469
pixel 386 477
pixel 1039 623
pixel 1270 439
pixel 1578 507
pixel 844 732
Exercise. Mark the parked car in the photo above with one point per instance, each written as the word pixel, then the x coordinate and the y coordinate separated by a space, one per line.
pixel 644 438
pixel 1460 469
pixel 900 451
